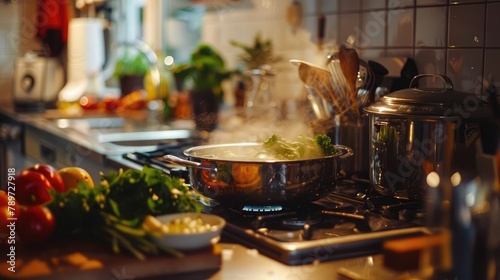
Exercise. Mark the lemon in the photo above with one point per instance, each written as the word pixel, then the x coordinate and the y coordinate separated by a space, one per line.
pixel 74 175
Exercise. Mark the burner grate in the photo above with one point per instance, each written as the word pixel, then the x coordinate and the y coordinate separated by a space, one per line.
pixel 264 208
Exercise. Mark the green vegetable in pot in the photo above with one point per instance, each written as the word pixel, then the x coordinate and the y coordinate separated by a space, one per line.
pixel 302 148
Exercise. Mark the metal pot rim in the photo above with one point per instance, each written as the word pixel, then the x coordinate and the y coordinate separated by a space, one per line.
pixel 343 153
pixel 436 103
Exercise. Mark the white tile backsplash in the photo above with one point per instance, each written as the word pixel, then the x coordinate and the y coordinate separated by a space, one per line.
pixel 419 29
pixel 430 30
pixel 372 29
pixel 465 69
pixel 466 26
pixel 400 28
pixel 492 25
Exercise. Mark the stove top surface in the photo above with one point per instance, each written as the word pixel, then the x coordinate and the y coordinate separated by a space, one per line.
pixel 353 220
pixel 347 223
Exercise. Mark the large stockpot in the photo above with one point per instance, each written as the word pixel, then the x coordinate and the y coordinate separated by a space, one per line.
pixel 415 131
pixel 255 182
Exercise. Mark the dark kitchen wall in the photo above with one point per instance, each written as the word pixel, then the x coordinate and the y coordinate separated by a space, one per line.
pixel 17 36
pixel 454 38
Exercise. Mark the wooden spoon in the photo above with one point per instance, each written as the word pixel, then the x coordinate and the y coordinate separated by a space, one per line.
pixel 319 80
pixel 349 63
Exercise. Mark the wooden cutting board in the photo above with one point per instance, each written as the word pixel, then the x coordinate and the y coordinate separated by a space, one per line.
pixel 93 260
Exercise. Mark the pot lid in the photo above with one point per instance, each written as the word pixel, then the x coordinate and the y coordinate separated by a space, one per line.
pixel 431 102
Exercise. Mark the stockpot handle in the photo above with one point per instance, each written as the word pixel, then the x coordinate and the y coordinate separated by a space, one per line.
pixel 447 81
pixel 346 152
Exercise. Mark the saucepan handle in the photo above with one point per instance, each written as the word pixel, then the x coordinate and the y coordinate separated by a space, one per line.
pixel 346 152
pixel 188 163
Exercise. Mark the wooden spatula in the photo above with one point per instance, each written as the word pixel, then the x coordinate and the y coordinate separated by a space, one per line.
pixel 349 64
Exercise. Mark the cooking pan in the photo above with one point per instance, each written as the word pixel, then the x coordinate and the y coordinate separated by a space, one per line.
pixel 224 173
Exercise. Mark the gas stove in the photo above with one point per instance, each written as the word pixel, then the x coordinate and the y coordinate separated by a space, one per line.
pixel 353 220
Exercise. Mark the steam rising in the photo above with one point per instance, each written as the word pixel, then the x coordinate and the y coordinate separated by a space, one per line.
pixel 235 128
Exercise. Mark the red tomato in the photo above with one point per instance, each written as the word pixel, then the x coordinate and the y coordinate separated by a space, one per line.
pixel 8 209
pixel 111 104
pixel 51 174
pixel 32 188
pixel 89 103
pixel 35 224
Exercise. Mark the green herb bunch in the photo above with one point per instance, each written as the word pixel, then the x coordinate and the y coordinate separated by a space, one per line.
pixel 115 209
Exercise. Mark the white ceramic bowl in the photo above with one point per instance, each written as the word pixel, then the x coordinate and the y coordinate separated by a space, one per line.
pixel 191 241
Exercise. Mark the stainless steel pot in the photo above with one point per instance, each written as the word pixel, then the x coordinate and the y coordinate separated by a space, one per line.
pixel 255 182
pixel 415 131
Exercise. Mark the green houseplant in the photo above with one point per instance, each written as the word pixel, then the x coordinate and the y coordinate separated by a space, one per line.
pixel 206 70
pixel 257 55
pixel 131 69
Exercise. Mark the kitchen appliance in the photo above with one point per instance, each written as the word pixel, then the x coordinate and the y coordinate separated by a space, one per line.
pixel 37 81
pixel 416 131
pixel 86 60
pixel 240 180
pixel 353 220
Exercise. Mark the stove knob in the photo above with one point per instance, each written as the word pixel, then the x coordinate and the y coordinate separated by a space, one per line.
pixel 307 232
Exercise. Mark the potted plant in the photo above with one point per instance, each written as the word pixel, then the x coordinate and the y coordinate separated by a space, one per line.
pixel 131 69
pixel 257 55
pixel 206 71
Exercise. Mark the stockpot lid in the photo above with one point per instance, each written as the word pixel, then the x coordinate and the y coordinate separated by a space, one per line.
pixel 441 103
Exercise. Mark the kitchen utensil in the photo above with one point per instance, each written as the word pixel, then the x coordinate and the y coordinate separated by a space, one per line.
pixel 416 131
pixel 356 135
pixel 254 182
pixel 191 240
pixel 349 63
pixel 379 72
pixel 315 78
pixel 317 81
pixel 364 84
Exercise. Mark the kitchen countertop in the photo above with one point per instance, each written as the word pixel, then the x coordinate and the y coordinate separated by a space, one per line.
pixel 238 262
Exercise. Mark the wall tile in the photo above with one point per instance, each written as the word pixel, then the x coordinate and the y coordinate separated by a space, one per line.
pixel 350 5
pixel 349 28
pixel 466 26
pixel 373 28
pixel 402 52
pixel 332 28
pixel 431 61
pixel 492 24
pixel 430 2
pixel 373 5
pixel 492 68
pixel 398 4
pixel 431 27
pixel 454 2
pixel 465 69
pixel 400 28
pixel 326 6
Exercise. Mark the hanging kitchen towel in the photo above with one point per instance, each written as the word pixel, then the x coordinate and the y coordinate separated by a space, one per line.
pixel 52 24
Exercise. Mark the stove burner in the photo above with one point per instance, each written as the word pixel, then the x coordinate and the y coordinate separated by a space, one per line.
pixel 353 220
pixel 269 208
